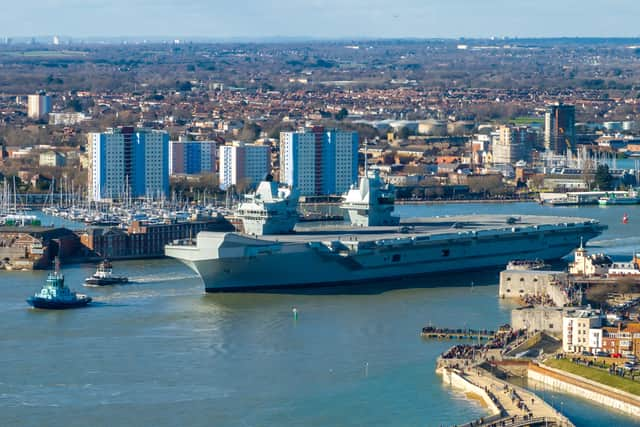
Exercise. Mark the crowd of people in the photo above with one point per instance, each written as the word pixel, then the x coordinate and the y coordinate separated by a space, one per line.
pixel 464 351
pixel 469 352
pixel 505 339
pixel 618 369
pixel 544 300
pixel 445 331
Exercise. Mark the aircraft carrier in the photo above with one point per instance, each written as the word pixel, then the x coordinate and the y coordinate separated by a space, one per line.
pixel 274 252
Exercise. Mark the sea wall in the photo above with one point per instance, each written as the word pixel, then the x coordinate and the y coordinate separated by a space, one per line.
pixel 573 384
pixel 453 378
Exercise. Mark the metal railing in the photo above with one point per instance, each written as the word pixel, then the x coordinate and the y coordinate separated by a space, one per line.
pixel 517 421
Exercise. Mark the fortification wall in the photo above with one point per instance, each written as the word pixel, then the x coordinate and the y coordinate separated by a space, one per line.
pixel 547 319
pixel 518 283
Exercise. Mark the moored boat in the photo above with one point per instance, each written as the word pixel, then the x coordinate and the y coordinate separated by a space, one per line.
pixel 630 198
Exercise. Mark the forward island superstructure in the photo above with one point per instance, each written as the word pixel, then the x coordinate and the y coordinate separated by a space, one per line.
pixel 374 245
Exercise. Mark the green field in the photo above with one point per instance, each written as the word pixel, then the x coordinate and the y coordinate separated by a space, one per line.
pixel 597 375
pixel 523 120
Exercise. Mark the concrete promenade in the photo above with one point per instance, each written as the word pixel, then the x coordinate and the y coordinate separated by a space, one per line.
pixel 512 405
pixel 517 402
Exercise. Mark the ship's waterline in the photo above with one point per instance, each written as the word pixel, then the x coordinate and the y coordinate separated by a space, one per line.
pixel 232 262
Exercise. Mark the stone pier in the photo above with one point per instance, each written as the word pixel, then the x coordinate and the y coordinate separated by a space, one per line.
pixel 509 405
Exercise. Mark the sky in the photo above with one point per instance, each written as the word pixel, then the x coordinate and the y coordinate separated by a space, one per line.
pixel 351 19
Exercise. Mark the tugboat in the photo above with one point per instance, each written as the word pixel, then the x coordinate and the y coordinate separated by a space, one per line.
pixel 55 295
pixel 104 276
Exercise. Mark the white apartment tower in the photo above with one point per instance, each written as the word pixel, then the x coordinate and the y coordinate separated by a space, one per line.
pixel 38 106
pixel 510 146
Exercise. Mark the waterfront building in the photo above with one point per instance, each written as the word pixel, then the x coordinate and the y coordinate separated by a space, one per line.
pixel 630 268
pixel 623 339
pixel 52 159
pixel 128 162
pixel 243 164
pixel 192 157
pixel 143 240
pixel 510 146
pixel 32 247
pixel 316 161
pixel 38 106
pixel 585 264
pixel 560 128
pixel 576 327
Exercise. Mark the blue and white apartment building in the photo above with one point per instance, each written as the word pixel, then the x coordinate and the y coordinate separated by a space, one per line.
pixel 318 161
pixel 128 162
pixel 188 157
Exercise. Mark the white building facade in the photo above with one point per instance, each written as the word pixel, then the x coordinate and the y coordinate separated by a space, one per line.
pixel 243 164
pixel 589 265
pixel 576 330
pixel 510 146
pixel 51 159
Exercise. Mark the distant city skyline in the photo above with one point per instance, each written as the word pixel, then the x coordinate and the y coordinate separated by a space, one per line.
pixel 358 19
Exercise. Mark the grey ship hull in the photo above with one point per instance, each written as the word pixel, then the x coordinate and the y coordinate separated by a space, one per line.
pixel 236 262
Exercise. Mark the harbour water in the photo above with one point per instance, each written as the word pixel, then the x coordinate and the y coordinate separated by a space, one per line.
pixel 161 352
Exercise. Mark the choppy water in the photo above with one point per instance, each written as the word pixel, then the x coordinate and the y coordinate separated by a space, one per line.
pixel 160 352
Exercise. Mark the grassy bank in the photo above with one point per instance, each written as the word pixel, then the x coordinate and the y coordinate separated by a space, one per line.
pixel 595 374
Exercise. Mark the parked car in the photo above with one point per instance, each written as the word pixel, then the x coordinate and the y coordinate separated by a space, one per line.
pixel 586 353
pixel 616 355
pixel 603 354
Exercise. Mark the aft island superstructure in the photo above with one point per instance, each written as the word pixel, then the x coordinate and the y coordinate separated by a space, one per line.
pixel 374 245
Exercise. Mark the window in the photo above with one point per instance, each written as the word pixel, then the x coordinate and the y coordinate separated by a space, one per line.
pixel 395 258
pixel 445 252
